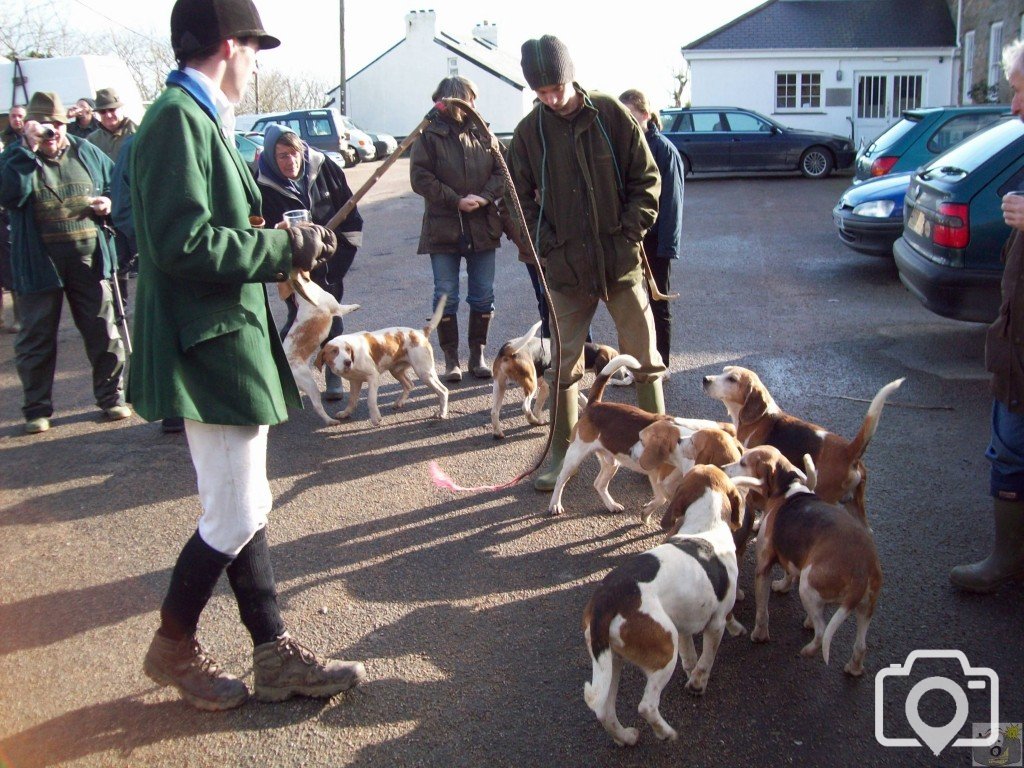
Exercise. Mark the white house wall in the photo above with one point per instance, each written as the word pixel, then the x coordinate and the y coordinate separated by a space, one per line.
pixel 747 79
pixel 393 93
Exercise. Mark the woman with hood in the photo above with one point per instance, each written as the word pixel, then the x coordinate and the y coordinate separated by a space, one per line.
pixel 292 175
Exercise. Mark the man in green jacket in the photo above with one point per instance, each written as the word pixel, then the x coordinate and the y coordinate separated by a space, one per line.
pixel 206 349
pixel 589 189
pixel 56 190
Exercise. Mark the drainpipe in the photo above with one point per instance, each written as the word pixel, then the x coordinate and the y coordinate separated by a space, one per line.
pixel 957 96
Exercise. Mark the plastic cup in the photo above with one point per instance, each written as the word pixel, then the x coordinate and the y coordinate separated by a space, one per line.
pixel 297 217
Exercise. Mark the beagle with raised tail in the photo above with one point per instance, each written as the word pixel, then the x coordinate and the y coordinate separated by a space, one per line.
pixel 842 474
pixel 364 357
pixel 831 553
pixel 627 436
pixel 305 337
pixel 648 609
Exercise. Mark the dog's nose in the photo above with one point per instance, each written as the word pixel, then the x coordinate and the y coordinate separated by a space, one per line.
pixel 707 381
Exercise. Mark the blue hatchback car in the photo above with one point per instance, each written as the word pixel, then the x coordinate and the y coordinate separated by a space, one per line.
pixel 920 136
pixel 869 216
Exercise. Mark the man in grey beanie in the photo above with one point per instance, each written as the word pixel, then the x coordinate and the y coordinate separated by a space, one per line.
pixel 589 186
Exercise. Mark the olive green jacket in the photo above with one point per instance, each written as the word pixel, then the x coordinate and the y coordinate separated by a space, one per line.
pixel 589 190
pixel 449 162
pixel 110 142
pixel 205 346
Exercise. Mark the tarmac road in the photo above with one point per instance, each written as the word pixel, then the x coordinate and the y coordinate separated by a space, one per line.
pixel 466 608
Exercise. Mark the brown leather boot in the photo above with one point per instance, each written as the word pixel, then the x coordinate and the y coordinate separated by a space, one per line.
pixel 185 665
pixel 283 668
pixel 479 322
pixel 448 339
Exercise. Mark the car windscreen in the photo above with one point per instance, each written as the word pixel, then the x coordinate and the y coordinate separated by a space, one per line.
pixel 976 149
pixel 892 134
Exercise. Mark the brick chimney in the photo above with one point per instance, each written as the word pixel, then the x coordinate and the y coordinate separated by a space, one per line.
pixel 421 24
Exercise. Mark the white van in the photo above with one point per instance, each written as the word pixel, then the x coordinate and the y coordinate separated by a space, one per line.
pixel 72 78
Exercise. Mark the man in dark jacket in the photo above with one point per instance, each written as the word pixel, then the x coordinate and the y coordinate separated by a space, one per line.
pixel 1004 359
pixel 589 188
pixel 206 349
pixel 56 190
pixel 85 121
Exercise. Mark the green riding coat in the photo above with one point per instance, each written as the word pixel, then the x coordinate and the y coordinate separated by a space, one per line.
pixel 204 344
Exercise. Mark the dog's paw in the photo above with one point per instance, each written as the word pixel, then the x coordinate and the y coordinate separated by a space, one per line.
pixel 499 435
pixel 628 737
pixel 555 510
pixel 740 595
pixel 332 422
pixel 759 635
pixel 811 649
pixel 808 624
pixel 734 628
pixel 666 733
pixel 783 585
pixel 342 415
pixel 853 670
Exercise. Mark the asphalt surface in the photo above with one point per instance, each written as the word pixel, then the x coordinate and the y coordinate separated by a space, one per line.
pixel 466 609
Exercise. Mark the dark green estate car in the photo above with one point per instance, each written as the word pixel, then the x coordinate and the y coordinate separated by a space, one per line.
pixel 949 256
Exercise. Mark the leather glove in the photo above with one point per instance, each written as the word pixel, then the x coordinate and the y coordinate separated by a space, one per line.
pixel 311 244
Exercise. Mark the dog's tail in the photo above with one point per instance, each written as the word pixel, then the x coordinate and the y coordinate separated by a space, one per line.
pixel 435 319
pixel 512 347
pixel 597 389
pixel 826 640
pixel 867 429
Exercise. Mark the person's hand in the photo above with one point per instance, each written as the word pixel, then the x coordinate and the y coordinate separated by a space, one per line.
pixel 311 244
pixel 32 133
pixel 100 205
pixel 469 203
pixel 1013 210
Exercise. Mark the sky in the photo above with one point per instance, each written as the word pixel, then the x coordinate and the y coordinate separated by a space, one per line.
pixel 627 46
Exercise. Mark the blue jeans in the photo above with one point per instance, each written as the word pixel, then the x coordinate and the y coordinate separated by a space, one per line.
pixel 480 287
pixel 1006 452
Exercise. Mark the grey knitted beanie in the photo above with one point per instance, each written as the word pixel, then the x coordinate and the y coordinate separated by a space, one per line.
pixel 547 62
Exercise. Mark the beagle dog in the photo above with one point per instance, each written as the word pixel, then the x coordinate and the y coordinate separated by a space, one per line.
pixel 647 610
pixel 364 357
pixel 842 475
pixel 523 362
pixel 624 435
pixel 308 332
pixel 831 553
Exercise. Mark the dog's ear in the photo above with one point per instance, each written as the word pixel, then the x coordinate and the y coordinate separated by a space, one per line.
pixel 658 440
pixel 736 502
pixel 326 355
pixel 318 362
pixel 727 426
pixel 755 404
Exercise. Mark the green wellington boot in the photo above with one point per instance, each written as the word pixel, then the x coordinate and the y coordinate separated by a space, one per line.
pixel 568 413
pixel 650 397
pixel 1006 562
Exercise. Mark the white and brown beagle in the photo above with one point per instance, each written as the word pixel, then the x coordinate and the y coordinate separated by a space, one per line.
pixel 522 362
pixel 624 435
pixel 364 357
pixel 647 610
pixel 831 553
pixel 303 340
pixel 842 475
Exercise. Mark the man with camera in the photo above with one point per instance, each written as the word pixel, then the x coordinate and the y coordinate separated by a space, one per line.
pixel 56 191
pixel 85 121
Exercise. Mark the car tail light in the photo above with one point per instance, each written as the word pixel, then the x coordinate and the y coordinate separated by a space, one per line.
pixel 953 229
pixel 883 165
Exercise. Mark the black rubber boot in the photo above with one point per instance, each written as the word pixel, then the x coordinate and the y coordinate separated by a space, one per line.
pixel 479 322
pixel 448 338
pixel 1006 562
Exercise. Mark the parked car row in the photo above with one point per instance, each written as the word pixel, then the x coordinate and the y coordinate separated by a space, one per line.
pixel 943 221
pixel 332 133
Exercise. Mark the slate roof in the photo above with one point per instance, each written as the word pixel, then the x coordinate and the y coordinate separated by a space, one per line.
pixel 789 24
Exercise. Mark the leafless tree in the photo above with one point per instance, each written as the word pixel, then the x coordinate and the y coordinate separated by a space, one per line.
pixel 32 33
pixel 682 78
pixel 148 59
pixel 280 92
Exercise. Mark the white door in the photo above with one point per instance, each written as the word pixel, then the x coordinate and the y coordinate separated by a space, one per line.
pixel 880 100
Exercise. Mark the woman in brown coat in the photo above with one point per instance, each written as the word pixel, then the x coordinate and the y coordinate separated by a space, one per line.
pixel 459 179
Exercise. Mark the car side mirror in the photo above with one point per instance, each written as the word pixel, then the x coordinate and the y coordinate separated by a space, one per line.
pixel 775 130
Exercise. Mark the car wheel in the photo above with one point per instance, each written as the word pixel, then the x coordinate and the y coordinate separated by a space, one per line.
pixel 816 163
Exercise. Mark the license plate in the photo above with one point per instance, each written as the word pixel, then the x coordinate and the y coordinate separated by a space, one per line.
pixel 918 223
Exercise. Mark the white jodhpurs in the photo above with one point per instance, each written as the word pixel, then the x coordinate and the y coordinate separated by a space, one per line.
pixel 231 470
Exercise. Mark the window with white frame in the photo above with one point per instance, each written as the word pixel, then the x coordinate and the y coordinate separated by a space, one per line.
pixel 797 90
pixel 995 64
pixel 453 66
pixel 968 66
